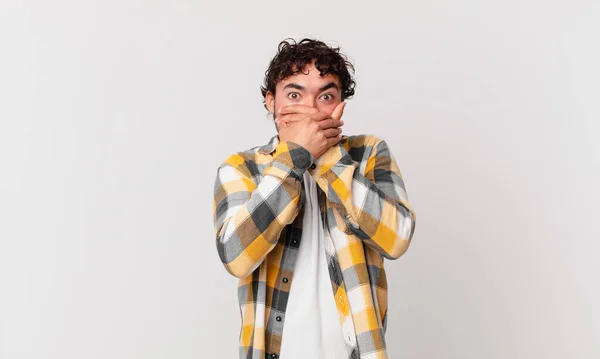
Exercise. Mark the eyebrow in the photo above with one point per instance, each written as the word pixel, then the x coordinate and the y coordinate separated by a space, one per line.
pixel 294 86
pixel 328 86
pixel 302 88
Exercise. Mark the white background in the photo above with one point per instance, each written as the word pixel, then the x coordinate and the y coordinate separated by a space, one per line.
pixel 114 116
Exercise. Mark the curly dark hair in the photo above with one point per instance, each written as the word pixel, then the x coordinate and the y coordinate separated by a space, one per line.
pixel 293 57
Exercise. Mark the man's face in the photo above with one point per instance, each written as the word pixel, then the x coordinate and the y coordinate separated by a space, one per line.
pixel 307 88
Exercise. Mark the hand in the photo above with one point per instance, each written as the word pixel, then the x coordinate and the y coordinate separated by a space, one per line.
pixel 316 131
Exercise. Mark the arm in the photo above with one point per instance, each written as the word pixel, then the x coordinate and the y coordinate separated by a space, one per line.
pixel 374 205
pixel 249 218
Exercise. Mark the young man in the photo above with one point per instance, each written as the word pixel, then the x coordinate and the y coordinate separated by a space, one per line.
pixel 306 220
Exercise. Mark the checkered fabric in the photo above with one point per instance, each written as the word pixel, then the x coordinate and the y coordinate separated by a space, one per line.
pixel 258 210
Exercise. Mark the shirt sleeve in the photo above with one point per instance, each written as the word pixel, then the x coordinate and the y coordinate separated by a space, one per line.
pixel 249 217
pixel 374 204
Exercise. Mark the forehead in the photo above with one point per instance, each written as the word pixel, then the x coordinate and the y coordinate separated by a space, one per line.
pixel 309 77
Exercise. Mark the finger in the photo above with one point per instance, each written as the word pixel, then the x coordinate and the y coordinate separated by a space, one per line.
pixel 290 109
pixel 316 117
pixel 289 118
pixel 320 116
pixel 339 111
pixel 331 141
pixel 332 132
pixel 281 123
pixel 286 119
pixel 330 123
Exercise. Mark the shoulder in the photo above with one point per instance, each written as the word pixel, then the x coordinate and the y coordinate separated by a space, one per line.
pixel 247 162
pixel 363 140
pixel 361 147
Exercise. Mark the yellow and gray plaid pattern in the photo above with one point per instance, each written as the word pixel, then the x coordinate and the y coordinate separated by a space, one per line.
pixel 258 210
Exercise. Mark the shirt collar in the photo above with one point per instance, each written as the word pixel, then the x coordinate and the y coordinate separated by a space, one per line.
pixel 269 147
pixel 274 141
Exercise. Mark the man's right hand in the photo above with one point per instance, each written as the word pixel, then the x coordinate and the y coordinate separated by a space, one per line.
pixel 316 131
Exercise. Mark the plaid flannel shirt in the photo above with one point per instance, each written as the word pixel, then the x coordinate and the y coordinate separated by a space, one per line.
pixel 258 209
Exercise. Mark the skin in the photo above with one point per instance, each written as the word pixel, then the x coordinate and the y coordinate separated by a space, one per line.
pixel 308 109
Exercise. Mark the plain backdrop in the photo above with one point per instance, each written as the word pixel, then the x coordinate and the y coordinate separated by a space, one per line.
pixel 114 116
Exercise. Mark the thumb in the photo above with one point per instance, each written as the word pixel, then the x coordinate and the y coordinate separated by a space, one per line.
pixel 339 111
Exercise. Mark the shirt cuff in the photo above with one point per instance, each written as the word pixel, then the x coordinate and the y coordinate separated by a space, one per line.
pixel 296 157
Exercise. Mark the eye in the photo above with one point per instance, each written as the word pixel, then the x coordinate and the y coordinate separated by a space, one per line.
pixel 327 97
pixel 294 95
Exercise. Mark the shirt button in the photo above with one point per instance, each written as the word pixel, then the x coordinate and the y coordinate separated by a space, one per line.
pixel 273 355
pixel 295 241
pixel 285 280
pixel 278 319
pixel 313 166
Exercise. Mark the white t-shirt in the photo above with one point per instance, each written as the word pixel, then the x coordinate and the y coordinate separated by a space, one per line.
pixel 312 326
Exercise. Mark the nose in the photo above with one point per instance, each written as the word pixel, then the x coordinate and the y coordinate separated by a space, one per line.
pixel 309 101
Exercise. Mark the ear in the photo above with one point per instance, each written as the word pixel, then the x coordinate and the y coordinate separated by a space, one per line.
pixel 270 102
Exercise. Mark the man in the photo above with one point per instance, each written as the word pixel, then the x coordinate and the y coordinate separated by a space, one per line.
pixel 306 220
